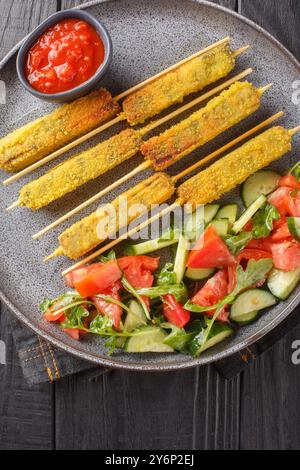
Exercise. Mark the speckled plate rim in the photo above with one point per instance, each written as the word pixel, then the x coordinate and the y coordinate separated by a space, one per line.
pixel 110 362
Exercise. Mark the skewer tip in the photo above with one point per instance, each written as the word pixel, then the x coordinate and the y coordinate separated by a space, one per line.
pixel 13 205
pixel 295 130
pixel 265 88
pixel 241 50
pixel 55 254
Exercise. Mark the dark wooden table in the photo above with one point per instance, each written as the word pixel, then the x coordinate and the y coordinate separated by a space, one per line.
pixel 193 409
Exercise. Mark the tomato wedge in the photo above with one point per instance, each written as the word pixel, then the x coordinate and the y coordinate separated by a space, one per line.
pixel 72 332
pixel 97 280
pixel 248 254
pixel 215 289
pixel 281 199
pixel 80 273
pixel 174 312
pixel 138 270
pixel 286 255
pixel 289 181
pixel 281 233
pixel 109 309
pixel 210 252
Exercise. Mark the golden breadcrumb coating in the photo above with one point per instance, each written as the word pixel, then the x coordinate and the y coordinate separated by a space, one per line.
pixel 236 167
pixel 171 88
pixel 47 134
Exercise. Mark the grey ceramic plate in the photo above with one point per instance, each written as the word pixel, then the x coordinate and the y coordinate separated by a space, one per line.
pixel 147 36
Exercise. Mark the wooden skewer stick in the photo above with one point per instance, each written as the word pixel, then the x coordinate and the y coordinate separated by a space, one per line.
pixel 146 164
pixel 98 130
pixel 294 131
pixel 136 229
pixel 172 67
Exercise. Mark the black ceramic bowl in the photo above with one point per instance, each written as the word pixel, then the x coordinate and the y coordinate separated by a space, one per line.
pixel 85 87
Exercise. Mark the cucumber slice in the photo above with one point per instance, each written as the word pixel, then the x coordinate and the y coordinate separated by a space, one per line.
pixel 210 211
pixel 294 227
pixel 152 245
pixel 221 226
pixel 250 301
pixel 229 212
pixel 263 182
pixel 248 214
pixel 219 332
pixel 149 339
pixel 247 317
pixel 198 274
pixel 181 257
pixel 136 317
pixel 282 284
pixel 194 227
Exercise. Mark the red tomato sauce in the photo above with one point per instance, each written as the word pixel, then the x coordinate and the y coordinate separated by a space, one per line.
pixel 65 56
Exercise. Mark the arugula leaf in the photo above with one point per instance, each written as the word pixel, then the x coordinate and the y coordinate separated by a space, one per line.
pixel 295 171
pixel 109 257
pixel 263 221
pixel 167 275
pixel 178 290
pixel 255 272
pixel 236 243
pixel 179 338
pixel 102 325
pixel 75 317
pixel 137 295
pixel 45 305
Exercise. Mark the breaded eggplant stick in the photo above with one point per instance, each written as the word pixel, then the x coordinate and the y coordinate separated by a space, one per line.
pixel 233 169
pixel 82 237
pixel 221 177
pixel 157 94
pixel 80 169
pixel 221 113
pixel 37 139
pixel 232 106
pixel 172 87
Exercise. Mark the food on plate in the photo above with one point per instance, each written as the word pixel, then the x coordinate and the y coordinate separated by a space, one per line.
pixel 232 106
pixel 83 236
pixel 172 87
pixel 216 180
pixel 234 168
pixel 68 54
pixel 80 169
pixel 227 109
pixel 37 139
pixel 223 277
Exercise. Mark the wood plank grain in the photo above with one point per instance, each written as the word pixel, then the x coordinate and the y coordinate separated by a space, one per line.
pixel 232 4
pixel 25 412
pixel 280 18
pixel 71 3
pixel 270 406
pixel 19 17
pixel 122 410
